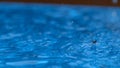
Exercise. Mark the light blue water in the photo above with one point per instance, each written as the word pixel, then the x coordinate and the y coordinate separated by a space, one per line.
pixel 59 36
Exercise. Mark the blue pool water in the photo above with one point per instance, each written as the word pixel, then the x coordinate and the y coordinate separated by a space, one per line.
pixel 59 36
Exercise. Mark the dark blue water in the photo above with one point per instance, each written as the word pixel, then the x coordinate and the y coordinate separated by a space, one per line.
pixel 59 36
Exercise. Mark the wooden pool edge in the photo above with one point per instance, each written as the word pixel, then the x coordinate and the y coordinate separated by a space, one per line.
pixel 75 2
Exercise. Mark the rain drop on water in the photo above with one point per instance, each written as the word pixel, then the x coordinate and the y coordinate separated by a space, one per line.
pixel 115 1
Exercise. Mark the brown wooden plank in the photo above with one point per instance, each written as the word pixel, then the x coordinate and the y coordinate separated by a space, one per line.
pixel 82 2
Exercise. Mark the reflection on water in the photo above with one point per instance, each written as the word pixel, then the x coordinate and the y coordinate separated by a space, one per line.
pixel 55 36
